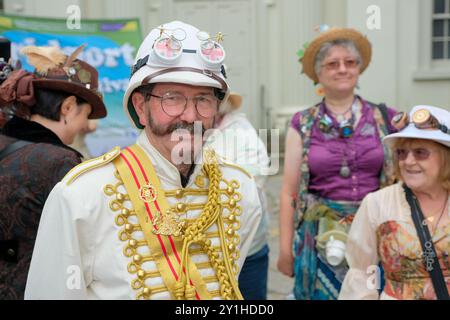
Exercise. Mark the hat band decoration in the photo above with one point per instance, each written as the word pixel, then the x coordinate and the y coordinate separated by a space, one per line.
pixel 422 119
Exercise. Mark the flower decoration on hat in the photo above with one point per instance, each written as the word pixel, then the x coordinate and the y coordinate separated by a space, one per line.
pixel 320 91
pixel 322 28
pixel 301 52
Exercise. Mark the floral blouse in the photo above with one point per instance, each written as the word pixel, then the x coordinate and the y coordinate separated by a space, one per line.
pixel 383 231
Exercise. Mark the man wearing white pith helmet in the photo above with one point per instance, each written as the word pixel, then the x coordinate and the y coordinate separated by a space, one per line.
pixel 162 219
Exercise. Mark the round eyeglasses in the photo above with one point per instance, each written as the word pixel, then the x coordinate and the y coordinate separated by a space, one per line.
pixel 336 64
pixel 174 104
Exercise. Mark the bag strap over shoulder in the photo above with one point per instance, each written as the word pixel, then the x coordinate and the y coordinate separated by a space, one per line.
pixel 384 113
pixel 431 260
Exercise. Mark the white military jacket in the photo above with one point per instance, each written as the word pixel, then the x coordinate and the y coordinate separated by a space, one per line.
pixel 80 253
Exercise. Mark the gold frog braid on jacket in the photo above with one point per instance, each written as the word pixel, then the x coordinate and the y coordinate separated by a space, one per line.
pixel 195 233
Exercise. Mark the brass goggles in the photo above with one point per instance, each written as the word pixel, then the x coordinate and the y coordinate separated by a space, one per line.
pixel 421 118
pixel 168 49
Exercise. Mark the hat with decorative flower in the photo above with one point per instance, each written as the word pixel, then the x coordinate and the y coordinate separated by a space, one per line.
pixel 307 55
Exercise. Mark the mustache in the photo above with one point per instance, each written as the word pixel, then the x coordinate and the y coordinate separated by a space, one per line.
pixel 190 127
pixel 181 125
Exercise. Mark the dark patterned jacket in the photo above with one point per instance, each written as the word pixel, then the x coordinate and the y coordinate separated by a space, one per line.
pixel 26 178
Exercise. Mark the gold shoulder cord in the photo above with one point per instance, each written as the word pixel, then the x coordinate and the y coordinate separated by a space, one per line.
pixel 91 164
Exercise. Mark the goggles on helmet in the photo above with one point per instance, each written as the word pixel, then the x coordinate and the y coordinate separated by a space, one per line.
pixel 422 119
pixel 168 49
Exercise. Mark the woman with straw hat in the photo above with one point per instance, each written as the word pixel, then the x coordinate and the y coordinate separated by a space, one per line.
pixel 406 226
pixel 334 158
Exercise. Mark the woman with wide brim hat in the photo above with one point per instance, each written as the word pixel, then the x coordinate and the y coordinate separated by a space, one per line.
pixel 406 226
pixel 334 157
pixel 48 108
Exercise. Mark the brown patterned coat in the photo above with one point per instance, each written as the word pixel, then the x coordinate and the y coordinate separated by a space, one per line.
pixel 26 178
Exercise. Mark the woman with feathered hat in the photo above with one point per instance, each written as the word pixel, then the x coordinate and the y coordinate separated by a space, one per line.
pixel 46 109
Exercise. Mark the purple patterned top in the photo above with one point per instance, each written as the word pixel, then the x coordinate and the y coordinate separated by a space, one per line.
pixel 363 152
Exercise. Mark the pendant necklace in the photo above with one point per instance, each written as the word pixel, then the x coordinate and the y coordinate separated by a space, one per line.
pixel 340 116
pixel 424 222
pixel 345 171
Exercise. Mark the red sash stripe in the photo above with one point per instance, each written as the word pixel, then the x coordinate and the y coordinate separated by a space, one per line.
pixel 172 244
pixel 151 217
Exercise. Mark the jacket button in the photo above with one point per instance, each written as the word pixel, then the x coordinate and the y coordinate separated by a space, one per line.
pixel 11 252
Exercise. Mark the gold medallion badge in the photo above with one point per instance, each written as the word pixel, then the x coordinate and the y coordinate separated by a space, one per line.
pixel 168 224
pixel 147 193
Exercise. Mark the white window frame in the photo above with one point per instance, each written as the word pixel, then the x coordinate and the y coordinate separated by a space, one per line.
pixel 429 69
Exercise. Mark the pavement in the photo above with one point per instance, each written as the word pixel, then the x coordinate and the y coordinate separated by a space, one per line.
pixel 279 286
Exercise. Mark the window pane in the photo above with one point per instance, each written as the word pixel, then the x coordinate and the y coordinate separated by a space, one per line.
pixel 438 50
pixel 438 28
pixel 439 6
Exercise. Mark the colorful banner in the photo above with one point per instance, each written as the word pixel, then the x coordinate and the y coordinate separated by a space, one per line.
pixel 111 48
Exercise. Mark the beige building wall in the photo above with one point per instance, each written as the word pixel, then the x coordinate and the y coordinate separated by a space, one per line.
pixel 268 73
pixel 402 72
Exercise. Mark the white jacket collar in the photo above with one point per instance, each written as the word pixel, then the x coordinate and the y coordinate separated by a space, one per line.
pixel 166 171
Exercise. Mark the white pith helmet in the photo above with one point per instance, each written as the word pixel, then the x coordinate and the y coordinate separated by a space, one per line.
pixel 188 67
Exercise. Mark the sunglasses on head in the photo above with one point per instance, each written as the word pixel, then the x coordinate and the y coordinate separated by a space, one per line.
pixel 420 154
pixel 422 119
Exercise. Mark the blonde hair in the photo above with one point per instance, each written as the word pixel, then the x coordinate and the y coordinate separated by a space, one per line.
pixel 443 151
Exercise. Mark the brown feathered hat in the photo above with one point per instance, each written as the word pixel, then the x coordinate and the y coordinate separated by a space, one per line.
pixel 56 71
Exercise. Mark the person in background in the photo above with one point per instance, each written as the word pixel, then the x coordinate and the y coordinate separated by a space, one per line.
pixel 79 143
pixel 406 226
pixel 59 97
pixel 238 141
pixel 334 157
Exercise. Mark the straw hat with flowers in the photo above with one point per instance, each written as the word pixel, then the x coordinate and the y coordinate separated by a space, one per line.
pixel 308 55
